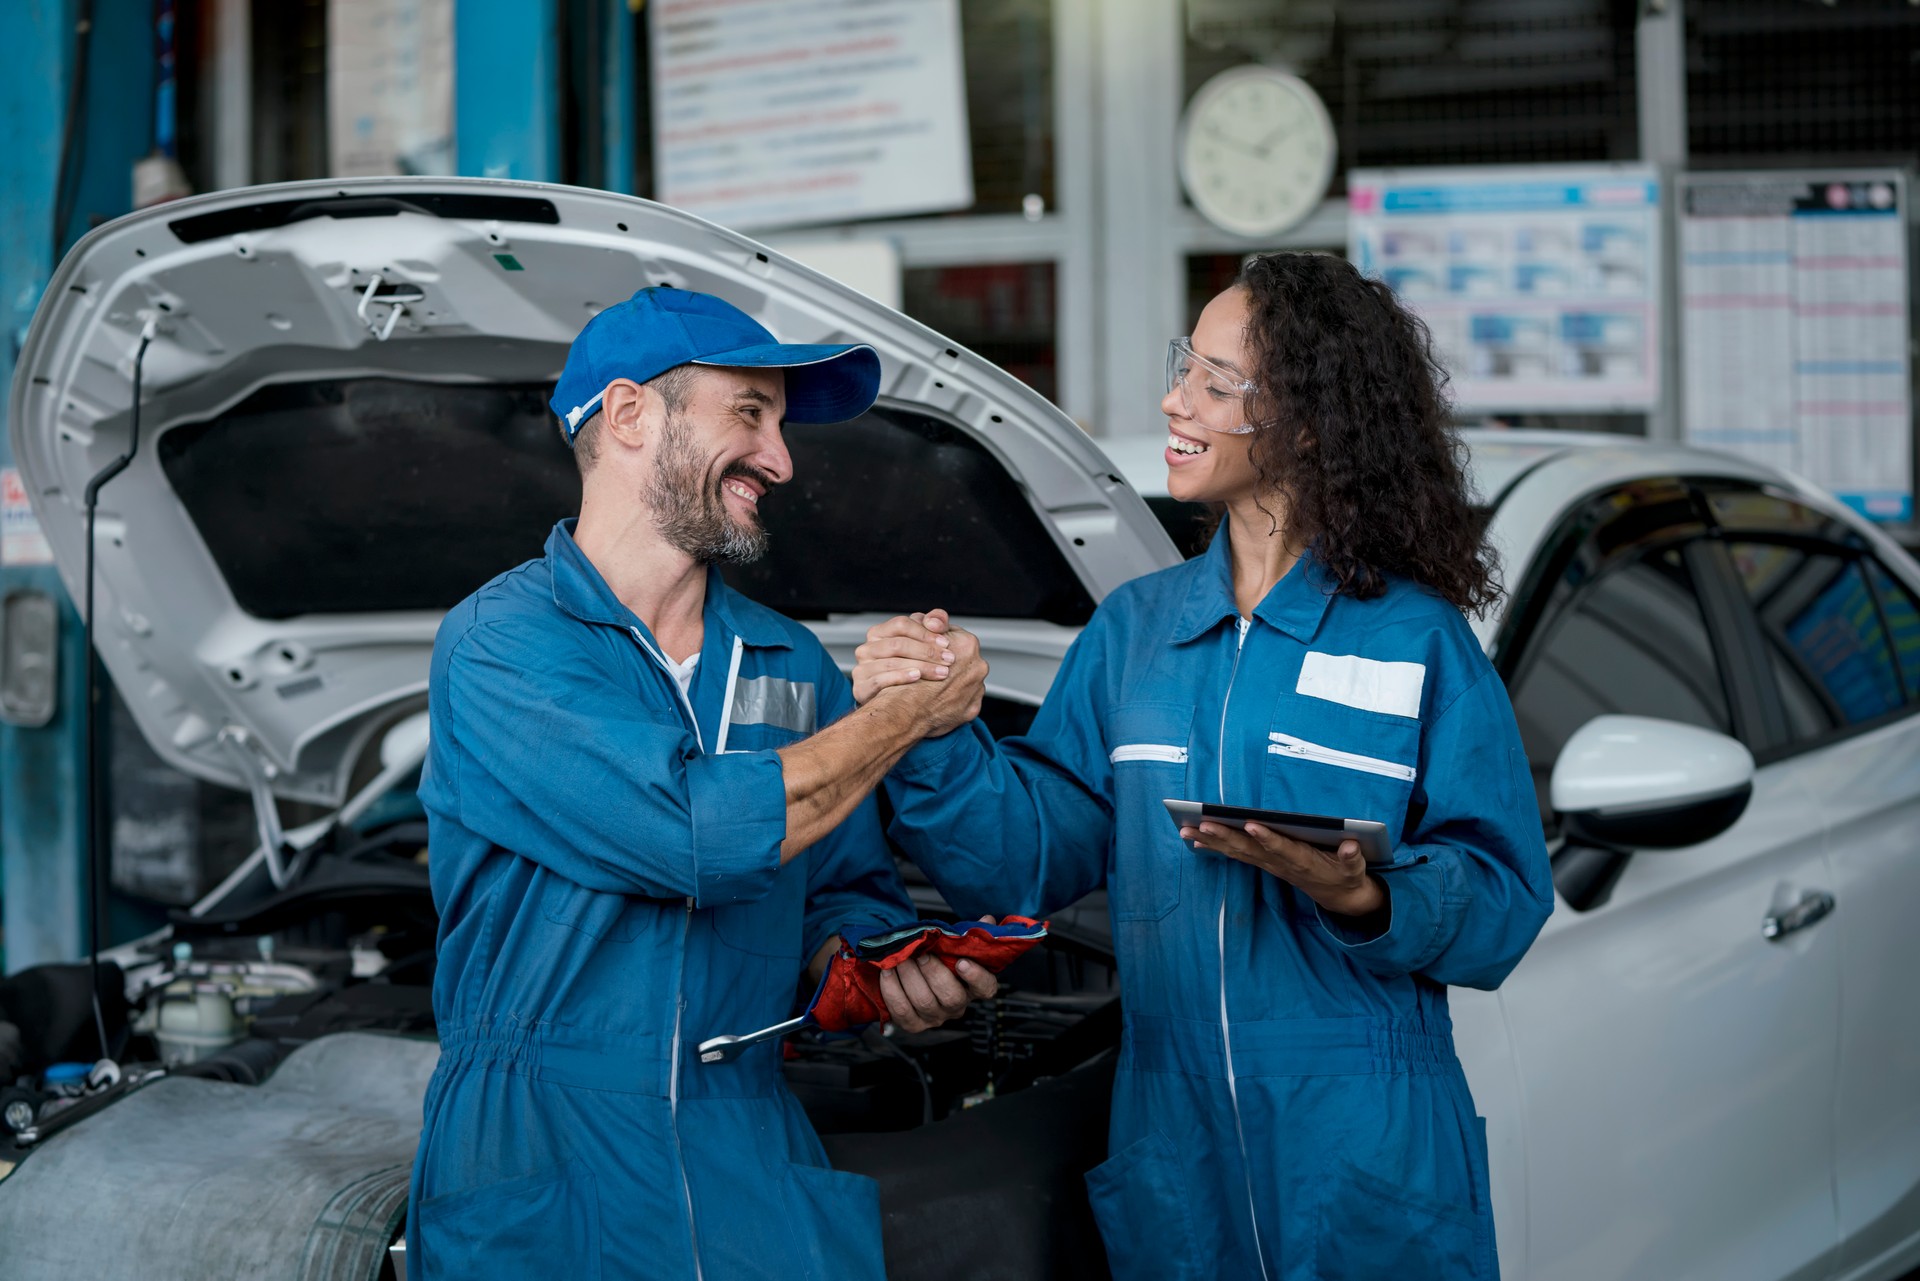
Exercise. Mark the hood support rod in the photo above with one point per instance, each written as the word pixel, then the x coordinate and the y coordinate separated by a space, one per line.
pixel 97 863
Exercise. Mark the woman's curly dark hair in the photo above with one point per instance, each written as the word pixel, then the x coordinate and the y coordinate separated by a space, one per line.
pixel 1356 432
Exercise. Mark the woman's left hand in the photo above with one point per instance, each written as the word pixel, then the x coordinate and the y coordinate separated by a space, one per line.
pixel 1335 879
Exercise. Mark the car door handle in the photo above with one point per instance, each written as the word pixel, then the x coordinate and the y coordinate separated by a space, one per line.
pixel 1813 907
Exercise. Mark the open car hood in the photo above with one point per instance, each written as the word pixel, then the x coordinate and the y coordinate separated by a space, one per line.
pixel 344 431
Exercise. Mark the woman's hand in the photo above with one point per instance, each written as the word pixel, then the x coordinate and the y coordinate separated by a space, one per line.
pixel 903 650
pixel 1337 880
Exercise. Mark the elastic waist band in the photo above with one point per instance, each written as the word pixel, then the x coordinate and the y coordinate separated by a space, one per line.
pixel 629 1064
pixel 1286 1047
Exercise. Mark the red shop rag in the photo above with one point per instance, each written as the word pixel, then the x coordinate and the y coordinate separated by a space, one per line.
pixel 849 993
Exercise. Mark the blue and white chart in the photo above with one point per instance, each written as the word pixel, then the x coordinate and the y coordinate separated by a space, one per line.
pixel 1793 294
pixel 1540 284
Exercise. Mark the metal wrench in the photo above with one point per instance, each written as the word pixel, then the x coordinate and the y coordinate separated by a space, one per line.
pixel 725 1049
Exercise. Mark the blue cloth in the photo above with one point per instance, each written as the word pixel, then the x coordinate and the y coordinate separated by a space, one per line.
pixel 1288 1103
pixel 610 894
pixel 661 328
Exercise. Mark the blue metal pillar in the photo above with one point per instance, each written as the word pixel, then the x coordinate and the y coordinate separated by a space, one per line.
pixel 506 94
pixel 623 80
pixel 43 771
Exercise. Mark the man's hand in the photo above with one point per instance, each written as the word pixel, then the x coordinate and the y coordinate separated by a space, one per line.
pixel 922 992
pixel 830 773
pixel 928 662
pixel 1337 880
pixel 902 650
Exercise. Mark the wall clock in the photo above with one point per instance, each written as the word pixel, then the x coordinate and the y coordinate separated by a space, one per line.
pixel 1256 150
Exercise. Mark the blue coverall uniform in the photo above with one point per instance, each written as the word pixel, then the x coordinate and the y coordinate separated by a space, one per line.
pixel 606 862
pixel 1288 1103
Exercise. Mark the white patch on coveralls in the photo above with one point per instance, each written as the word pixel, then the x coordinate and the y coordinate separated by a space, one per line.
pixel 1365 683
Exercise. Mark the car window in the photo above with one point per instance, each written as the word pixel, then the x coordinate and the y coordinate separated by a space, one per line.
pixel 1741 509
pixel 1902 617
pixel 1826 638
pixel 1634 642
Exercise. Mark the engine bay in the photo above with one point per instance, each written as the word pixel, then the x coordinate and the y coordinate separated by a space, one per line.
pixel 348 946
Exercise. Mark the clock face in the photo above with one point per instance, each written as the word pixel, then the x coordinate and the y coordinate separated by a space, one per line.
pixel 1256 150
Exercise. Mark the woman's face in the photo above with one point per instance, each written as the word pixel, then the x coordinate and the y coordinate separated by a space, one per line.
pixel 1215 466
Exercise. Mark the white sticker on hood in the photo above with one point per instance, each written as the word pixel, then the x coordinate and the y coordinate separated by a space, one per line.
pixel 1366 683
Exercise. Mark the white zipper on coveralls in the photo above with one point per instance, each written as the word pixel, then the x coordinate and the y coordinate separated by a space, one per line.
pixel 1243 626
pixel 686 925
pixel 1288 745
pixel 673 1094
pixel 726 699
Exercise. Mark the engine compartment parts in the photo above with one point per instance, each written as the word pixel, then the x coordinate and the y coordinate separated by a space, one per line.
pixel 203 1007
pixel 50 1012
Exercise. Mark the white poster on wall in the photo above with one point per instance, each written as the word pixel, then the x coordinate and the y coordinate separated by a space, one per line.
pixel 389 87
pixel 1793 297
pixel 778 113
pixel 21 540
pixel 1540 284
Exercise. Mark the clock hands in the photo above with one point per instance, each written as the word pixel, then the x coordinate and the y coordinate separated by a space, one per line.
pixel 1265 146
pixel 1262 149
pixel 1238 144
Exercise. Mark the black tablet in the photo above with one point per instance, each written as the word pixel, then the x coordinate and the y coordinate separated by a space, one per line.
pixel 1314 829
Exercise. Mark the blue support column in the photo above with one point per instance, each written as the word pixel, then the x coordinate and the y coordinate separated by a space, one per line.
pixel 622 83
pixel 506 96
pixel 43 771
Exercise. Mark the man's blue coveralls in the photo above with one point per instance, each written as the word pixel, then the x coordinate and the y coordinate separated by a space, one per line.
pixel 1288 1103
pixel 606 861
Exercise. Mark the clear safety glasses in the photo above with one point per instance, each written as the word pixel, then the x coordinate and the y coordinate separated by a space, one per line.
pixel 1212 395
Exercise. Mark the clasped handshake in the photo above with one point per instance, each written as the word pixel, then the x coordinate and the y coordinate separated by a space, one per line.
pixel 925 661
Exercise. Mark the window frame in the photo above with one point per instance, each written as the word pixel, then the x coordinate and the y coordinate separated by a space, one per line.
pixel 1780 745
pixel 1740 642
pixel 1577 528
pixel 1581 526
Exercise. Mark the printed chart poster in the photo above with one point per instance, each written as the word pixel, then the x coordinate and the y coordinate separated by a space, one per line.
pixel 1793 296
pixel 772 113
pixel 390 87
pixel 21 542
pixel 1541 284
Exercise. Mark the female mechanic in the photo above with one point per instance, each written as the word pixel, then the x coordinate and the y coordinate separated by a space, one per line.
pixel 1288 1103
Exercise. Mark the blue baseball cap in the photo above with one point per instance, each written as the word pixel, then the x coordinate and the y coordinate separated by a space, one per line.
pixel 660 329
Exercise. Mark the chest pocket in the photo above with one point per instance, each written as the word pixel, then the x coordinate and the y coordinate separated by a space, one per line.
pixel 1328 758
pixel 769 712
pixel 1149 752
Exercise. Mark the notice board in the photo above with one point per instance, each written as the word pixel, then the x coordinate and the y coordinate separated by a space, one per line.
pixel 1540 284
pixel 1794 305
pixel 778 113
pixel 389 87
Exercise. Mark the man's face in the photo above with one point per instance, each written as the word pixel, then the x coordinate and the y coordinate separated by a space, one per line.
pixel 718 454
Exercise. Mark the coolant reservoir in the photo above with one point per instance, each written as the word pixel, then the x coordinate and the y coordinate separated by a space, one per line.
pixel 210 1005
pixel 196 1019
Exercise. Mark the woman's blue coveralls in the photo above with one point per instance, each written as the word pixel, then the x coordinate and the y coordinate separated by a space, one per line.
pixel 606 862
pixel 1288 1103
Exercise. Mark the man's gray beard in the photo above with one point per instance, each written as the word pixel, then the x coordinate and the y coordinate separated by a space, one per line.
pixel 688 509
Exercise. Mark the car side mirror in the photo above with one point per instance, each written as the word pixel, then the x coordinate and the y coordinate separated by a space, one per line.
pixel 1635 782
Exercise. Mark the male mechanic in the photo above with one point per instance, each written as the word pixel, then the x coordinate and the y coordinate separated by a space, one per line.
pixel 650 801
